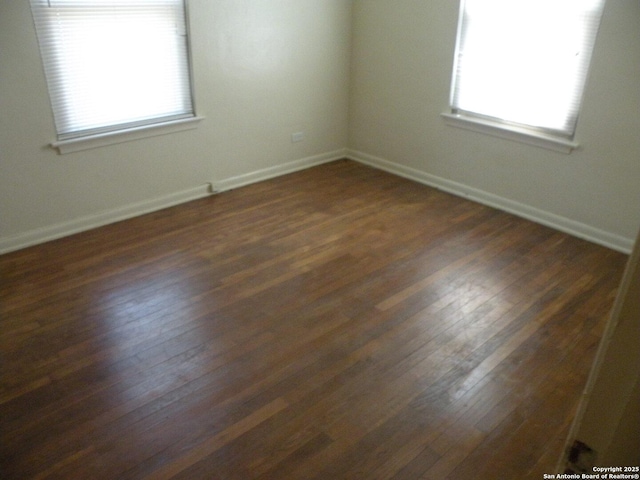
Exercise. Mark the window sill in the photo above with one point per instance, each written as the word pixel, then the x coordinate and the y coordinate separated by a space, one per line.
pixel 537 139
pixel 120 136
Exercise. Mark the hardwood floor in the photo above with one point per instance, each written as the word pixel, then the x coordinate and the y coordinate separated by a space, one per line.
pixel 336 323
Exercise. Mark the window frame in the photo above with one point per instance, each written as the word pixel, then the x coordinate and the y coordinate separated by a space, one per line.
pixel 130 130
pixel 504 128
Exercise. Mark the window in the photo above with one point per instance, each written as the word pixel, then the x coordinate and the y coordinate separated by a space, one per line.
pixel 521 66
pixel 114 65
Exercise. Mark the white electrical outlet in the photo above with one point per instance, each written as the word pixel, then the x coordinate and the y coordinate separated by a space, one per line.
pixel 297 137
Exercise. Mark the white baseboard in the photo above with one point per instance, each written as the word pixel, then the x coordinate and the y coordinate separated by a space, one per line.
pixel 572 227
pixel 53 232
pixel 64 229
pixel 272 172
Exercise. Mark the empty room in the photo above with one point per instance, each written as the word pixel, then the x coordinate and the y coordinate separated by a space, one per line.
pixel 319 239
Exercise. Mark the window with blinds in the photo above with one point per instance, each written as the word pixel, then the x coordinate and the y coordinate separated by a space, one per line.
pixel 113 65
pixel 524 62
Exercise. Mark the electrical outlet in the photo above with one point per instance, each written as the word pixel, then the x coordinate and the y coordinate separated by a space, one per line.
pixel 297 137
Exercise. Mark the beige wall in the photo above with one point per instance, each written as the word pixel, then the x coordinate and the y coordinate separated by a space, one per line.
pixel 267 68
pixel 401 75
pixel 263 70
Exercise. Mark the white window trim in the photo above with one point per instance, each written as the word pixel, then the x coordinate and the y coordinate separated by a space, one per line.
pixel 510 132
pixel 125 135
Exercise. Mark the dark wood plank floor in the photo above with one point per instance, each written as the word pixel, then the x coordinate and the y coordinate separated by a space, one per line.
pixel 336 323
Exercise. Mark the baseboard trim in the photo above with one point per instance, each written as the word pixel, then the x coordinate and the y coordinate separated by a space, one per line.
pixel 64 229
pixel 89 222
pixel 577 229
pixel 277 171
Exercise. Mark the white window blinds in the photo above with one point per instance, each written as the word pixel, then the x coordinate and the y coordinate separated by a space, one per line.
pixel 525 62
pixel 114 64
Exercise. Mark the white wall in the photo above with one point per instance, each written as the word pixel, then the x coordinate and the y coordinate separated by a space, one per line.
pixel 263 69
pixel 401 74
pixel 267 68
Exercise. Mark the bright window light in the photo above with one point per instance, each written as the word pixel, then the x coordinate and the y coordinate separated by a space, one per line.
pixel 114 64
pixel 525 62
